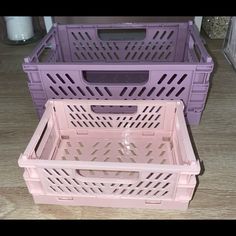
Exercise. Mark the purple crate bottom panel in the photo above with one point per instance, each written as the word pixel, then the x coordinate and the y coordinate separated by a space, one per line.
pixel 166 61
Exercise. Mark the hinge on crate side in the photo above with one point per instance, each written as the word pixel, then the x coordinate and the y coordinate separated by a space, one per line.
pixel 148 133
pixel 65 198
pixel 204 68
pixel 152 202
pixel 166 139
pixel 82 132
pixel 28 68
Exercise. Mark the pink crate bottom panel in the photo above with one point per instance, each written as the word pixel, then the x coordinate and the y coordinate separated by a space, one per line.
pixel 138 160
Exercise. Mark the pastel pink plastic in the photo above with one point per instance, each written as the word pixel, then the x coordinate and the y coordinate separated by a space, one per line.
pixel 169 61
pixel 140 158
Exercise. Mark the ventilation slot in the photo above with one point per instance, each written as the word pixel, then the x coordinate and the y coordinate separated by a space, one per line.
pixel 170 34
pixel 159 176
pixel 77 56
pixel 81 36
pixel 56 172
pixel 168 54
pixel 78 116
pixel 167 177
pixel 157 117
pixel 132 91
pixel 142 91
pixel 86 33
pixel 140 55
pixel 54 91
pixel 170 91
pixel 162 78
pixel 51 181
pixel 159 108
pixel 154 37
pixel 160 92
pixel 82 108
pixel 164 193
pixel 182 79
pixel 63 91
pixel 134 55
pixel 50 77
pixel 73 124
pixel 123 91
pixel 70 108
pixel 69 78
pixel 172 78
pixel 85 58
pixel 116 56
pixel 99 92
pixel 65 172
pixel 108 91
pixel 72 91
pixel 161 55
pixel 150 125
pixel 103 56
pixel 149 176
pixel 144 110
pixel 76 108
pixel 151 109
pixel 96 55
pixel 180 91
pixel 154 55
pixel 75 37
pixel 53 189
pixel 109 55
pixel 151 91
pixel 163 34
pixel 72 116
pixel 60 78
pixel 90 91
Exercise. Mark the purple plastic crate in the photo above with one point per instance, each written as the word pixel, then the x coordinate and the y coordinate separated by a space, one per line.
pixel 121 61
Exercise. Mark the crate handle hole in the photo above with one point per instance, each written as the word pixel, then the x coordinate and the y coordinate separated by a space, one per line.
pixel 128 110
pixel 115 77
pixel 108 176
pixel 121 34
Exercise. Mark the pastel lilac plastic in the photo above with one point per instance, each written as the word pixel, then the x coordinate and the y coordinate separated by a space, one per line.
pixel 140 158
pixel 121 61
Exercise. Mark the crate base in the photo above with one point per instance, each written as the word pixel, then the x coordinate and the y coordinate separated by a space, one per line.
pixel 117 147
pixel 84 158
pixel 112 202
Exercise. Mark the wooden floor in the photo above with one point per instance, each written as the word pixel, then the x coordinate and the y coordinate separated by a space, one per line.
pixel 215 141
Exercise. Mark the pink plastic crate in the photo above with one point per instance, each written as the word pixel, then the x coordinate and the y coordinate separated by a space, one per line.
pixel 141 159
pixel 150 61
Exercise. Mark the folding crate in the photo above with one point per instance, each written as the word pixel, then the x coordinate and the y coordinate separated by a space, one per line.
pixel 141 159
pixel 121 61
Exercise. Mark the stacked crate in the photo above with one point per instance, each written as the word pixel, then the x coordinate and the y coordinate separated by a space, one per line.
pixel 156 61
